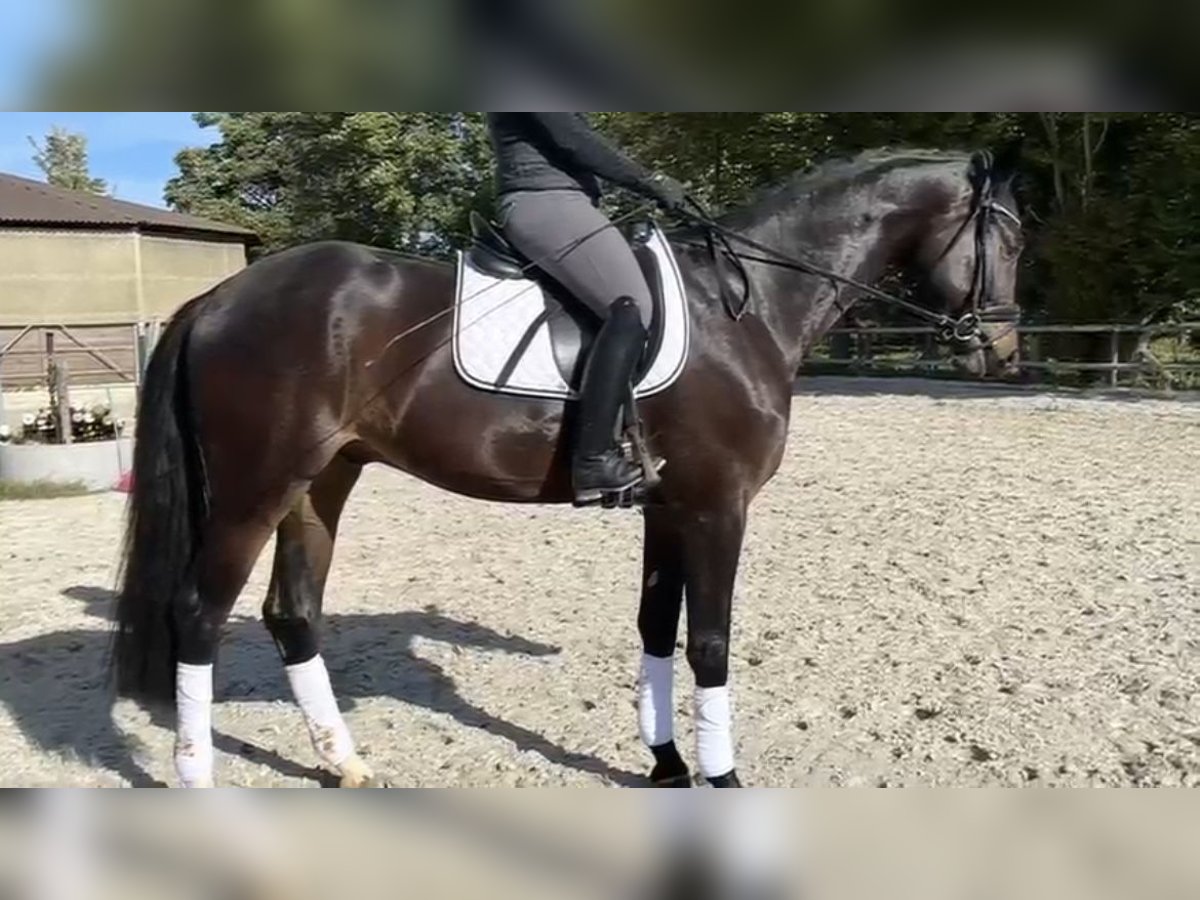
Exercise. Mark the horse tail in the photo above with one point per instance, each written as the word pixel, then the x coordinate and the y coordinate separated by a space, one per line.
pixel 167 510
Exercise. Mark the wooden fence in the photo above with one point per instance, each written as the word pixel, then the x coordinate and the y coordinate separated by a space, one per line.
pixel 93 354
pixel 109 354
pixel 1127 351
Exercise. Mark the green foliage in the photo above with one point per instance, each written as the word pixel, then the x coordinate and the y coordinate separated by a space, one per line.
pixel 1112 202
pixel 401 180
pixel 63 157
pixel 41 490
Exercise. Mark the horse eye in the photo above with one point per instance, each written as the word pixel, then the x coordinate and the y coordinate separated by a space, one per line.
pixel 1009 249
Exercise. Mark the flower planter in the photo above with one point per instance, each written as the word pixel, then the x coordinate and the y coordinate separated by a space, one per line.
pixel 97 464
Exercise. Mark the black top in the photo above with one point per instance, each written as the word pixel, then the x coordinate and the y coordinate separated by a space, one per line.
pixel 560 151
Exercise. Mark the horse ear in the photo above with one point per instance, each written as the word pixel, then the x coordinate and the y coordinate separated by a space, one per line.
pixel 980 170
pixel 1008 160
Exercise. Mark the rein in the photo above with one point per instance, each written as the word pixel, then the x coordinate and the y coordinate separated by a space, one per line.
pixel 965 329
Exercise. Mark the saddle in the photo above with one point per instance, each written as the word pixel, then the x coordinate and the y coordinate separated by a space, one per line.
pixel 519 332
pixel 572 326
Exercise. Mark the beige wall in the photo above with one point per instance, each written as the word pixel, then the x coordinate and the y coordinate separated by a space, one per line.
pixel 76 277
pixel 175 270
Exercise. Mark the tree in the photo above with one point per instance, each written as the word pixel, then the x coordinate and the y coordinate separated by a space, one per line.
pixel 63 157
pixel 1111 202
pixel 400 180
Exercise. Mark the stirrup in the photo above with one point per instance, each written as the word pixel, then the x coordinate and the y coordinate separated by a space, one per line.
pixel 634 494
pixel 627 498
pixel 592 495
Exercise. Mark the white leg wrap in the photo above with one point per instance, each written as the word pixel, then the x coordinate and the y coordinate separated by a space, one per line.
pixel 193 725
pixel 714 731
pixel 655 700
pixel 311 688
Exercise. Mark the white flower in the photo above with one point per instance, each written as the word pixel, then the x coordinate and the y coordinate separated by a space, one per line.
pixel 5 432
pixel 27 420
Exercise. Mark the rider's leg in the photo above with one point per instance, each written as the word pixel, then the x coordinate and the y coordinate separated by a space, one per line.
pixel 602 272
pixel 597 464
pixel 575 244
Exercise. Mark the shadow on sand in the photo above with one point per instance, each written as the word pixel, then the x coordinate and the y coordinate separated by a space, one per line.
pixel 55 685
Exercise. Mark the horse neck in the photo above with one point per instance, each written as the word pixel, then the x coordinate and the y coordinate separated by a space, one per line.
pixel 857 232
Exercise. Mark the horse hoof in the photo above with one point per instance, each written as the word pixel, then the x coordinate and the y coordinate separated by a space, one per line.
pixel 670 771
pixel 357 774
pixel 671 776
pixel 728 780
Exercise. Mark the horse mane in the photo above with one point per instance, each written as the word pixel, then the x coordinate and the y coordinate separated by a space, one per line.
pixel 871 162
pixel 839 174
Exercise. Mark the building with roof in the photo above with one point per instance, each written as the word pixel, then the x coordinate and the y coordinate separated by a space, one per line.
pixel 74 258
pixel 97 267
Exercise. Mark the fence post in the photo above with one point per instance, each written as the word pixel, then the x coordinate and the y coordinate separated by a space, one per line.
pixel 60 399
pixel 47 353
pixel 139 355
pixel 841 346
pixel 1115 358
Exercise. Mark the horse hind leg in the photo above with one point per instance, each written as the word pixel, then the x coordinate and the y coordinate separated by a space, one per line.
pixel 227 556
pixel 292 614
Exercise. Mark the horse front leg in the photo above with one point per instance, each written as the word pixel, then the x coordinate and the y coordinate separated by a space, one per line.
pixel 712 545
pixel 658 624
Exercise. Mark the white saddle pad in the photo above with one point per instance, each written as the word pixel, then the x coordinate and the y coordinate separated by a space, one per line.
pixel 493 315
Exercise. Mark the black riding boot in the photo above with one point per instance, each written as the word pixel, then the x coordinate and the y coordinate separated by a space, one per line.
pixel 598 467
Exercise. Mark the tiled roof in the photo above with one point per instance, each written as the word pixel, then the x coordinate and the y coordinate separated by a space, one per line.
pixel 27 202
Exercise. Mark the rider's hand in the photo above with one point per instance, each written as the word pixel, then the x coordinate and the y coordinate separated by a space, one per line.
pixel 670 194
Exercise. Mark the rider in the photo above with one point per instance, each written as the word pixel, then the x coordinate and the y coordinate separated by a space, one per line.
pixel 548 172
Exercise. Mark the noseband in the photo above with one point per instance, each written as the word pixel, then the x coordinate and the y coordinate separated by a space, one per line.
pixel 967 331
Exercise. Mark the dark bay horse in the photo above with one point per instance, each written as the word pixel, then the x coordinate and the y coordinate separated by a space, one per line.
pixel 266 396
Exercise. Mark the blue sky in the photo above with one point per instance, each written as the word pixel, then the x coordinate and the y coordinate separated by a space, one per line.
pixel 30 30
pixel 133 151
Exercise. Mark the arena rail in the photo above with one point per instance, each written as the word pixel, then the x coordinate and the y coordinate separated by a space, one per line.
pixel 857 355
pixel 95 353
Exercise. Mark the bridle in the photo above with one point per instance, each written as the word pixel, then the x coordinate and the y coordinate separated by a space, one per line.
pixel 968 330
pixel 965 331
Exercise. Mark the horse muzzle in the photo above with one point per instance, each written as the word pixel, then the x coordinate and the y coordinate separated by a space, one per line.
pixel 992 351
